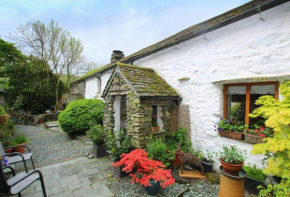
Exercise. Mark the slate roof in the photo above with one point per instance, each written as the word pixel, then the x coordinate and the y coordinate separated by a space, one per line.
pixel 143 81
pixel 219 21
pixel 234 15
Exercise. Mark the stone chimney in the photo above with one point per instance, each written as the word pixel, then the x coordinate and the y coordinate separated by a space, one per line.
pixel 116 56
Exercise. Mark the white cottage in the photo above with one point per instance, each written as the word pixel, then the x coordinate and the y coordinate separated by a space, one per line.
pixel 225 62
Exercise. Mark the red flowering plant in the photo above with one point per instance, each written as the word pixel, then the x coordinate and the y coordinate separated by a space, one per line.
pixel 259 130
pixel 147 169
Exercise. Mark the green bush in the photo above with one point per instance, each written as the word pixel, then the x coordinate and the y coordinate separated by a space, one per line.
pixel 2 110
pixel 97 134
pixel 178 138
pixel 157 150
pixel 255 173
pixel 6 131
pixel 117 142
pixel 19 140
pixel 80 115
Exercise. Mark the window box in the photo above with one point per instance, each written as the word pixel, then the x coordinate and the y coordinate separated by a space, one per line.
pixel 231 135
pixel 255 139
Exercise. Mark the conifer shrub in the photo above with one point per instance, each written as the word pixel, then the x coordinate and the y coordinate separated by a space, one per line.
pixel 80 115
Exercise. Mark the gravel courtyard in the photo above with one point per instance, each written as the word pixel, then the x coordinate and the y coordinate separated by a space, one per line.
pixel 51 145
pixel 68 173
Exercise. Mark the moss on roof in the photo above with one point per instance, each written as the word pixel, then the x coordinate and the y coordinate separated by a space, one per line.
pixel 92 73
pixel 224 19
pixel 146 81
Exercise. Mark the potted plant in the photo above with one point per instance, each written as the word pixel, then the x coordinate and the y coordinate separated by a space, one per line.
pixel 232 129
pixel 155 126
pixel 97 135
pixel 207 162
pixel 149 173
pixel 4 117
pixel 118 143
pixel 19 141
pixel 232 159
pixel 157 150
pixel 257 133
pixel 255 177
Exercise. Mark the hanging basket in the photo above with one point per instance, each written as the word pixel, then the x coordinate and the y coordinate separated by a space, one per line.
pixel 255 139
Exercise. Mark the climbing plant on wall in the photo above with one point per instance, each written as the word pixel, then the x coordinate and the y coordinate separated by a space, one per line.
pixel 276 149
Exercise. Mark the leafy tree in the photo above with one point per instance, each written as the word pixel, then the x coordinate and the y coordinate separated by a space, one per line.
pixel 32 80
pixel 9 57
pixel 27 80
pixel 277 149
pixel 53 45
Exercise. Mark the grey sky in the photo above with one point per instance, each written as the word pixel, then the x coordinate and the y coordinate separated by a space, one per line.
pixel 106 25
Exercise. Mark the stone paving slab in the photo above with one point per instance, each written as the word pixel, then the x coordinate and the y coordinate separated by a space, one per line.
pixel 52 124
pixel 80 177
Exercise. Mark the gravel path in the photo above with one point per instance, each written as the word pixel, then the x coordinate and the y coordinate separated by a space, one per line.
pixel 48 145
pixel 124 188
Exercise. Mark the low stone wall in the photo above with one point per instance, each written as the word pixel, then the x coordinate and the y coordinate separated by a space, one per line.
pixel 35 119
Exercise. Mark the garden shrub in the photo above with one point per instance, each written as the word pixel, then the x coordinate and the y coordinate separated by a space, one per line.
pixel 6 131
pixel 118 142
pixel 80 115
pixel 2 110
pixel 255 173
pixel 157 150
pixel 178 138
pixel 276 148
pixel 19 140
pixel 97 134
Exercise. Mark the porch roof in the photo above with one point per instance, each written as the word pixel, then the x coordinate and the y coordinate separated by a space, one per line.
pixel 143 81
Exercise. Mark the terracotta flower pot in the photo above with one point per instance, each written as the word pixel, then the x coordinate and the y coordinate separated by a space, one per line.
pixel 8 150
pixel 4 118
pixel 232 169
pixel 176 161
pixel 19 149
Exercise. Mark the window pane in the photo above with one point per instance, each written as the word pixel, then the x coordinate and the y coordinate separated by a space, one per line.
pixel 154 116
pixel 236 102
pixel 256 92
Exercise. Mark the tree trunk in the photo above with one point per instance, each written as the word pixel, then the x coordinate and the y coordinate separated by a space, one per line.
pixel 56 95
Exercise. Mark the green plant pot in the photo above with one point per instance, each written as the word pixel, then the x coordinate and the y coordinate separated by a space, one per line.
pixel 154 188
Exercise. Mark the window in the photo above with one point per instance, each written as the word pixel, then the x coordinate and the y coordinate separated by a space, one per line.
pixel 99 85
pixel 239 99
pixel 154 116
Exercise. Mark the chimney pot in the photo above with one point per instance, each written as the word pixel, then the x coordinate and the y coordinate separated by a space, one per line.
pixel 116 56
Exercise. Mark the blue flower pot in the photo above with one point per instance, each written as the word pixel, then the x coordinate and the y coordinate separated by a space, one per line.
pixel 154 188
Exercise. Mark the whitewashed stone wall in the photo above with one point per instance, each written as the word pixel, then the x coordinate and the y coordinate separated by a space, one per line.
pixel 247 48
pixel 92 88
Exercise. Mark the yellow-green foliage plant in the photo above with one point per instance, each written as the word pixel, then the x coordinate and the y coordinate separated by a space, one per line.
pixel 277 148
